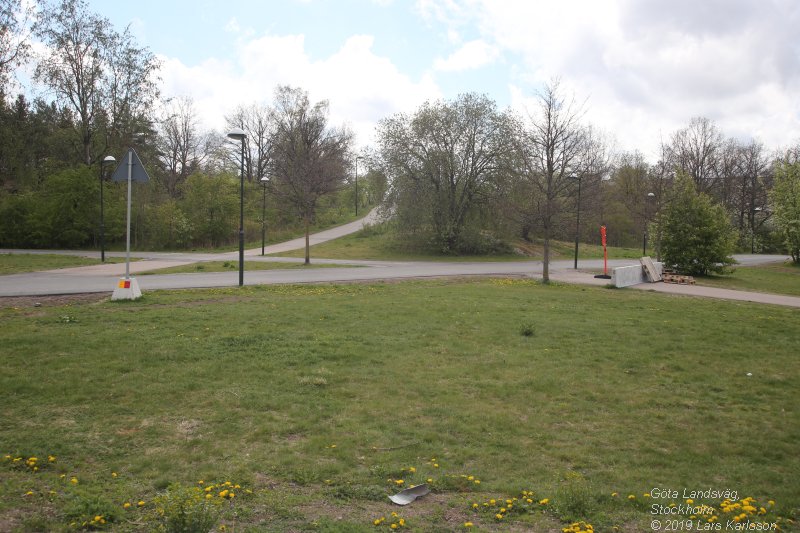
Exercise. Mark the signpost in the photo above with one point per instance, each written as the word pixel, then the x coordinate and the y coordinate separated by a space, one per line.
pixel 130 169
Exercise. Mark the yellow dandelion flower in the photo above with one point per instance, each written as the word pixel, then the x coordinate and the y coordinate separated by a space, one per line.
pixel 113 474
pixel 429 480
pixel 200 482
pixel 614 494
pixel 498 516
pixel 402 522
pixel 477 481
pixel 29 493
pixel 689 501
pixel 393 526
pixel 126 505
pixel 74 480
pixel 529 500
pixel 223 493
pixel 467 524
pixel 544 501
pixel 436 465
pixel 412 469
pixel 399 482
pixel 51 458
pixel 631 497
pixel 209 496
pixel 492 501
pixel 376 522
pixel 140 503
pixel 474 505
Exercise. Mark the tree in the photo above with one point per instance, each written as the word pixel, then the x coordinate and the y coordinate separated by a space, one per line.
pixel 444 162
pixel 14 46
pixel 697 237
pixel 182 148
pixel 785 201
pixel 309 159
pixel 95 72
pixel 695 150
pixel 257 122
pixel 550 150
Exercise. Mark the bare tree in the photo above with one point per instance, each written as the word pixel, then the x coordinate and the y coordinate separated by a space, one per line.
pixel 695 150
pixel 14 46
pixel 182 147
pixel 551 148
pixel 93 71
pixel 309 158
pixel 257 122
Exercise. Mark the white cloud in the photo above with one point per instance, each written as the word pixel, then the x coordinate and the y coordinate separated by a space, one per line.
pixel 648 66
pixel 362 88
pixel 471 55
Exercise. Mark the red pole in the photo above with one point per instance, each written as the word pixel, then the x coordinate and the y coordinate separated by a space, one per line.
pixel 605 250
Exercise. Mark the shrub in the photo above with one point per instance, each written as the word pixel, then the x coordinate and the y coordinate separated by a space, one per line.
pixel 186 510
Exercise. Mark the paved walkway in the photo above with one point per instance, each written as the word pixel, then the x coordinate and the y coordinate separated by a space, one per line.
pixel 102 278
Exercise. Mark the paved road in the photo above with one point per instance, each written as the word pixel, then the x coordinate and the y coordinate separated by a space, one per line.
pixel 103 278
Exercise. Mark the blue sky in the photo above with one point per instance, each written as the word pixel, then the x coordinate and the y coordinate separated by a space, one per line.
pixel 643 67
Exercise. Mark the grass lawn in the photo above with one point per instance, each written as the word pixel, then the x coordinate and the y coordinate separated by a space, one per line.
pixel 18 263
pixel 227 266
pixel 381 245
pixel 313 402
pixel 778 278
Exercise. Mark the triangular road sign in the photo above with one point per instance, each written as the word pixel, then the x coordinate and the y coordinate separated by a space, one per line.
pixel 138 173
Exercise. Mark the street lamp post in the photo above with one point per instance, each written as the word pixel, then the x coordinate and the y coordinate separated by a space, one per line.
pixel 238 134
pixel 753 229
pixel 264 215
pixel 577 220
pixel 108 159
pixel 357 158
pixel 650 196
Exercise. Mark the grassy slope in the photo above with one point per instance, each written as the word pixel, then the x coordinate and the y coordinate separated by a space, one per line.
pixel 18 263
pixel 613 391
pixel 782 278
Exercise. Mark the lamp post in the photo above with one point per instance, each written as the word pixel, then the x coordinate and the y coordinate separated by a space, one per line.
pixel 108 159
pixel 238 134
pixel 650 196
pixel 577 220
pixel 264 181
pixel 357 158
pixel 753 229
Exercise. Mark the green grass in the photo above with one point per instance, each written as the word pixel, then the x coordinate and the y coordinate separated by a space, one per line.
pixel 778 278
pixel 19 263
pixel 571 392
pixel 381 244
pixel 227 266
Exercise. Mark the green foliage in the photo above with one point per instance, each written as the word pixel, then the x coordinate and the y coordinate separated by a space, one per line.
pixel 88 509
pixel 785 199
pixel 184 509
pixel 697 237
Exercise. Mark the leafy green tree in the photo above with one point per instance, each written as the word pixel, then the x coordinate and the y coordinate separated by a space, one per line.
pixel 211 208
pixel 697 237
pixel 785 200
pixel 444 163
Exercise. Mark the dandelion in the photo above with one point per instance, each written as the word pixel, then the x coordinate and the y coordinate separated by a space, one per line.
pixel 436 465
pixel 29 493
pixel 113 474
pixel 51 458
pixel 200 482
pixel 498 516
pixel 492 501
pixel 474 505
pixel 399 482
pixel 412 469
pixel 376 522
pixel 126 505
pixel 614 494
pixel 467 524
pixel 470 478
pixel 209 496
pixel 393 526
pixel 74 480
pixel 140 503
pixel 477 481
pixel 402 522
pixel 429 480
pixel 545 501
pixel 223 493
pixel 631 497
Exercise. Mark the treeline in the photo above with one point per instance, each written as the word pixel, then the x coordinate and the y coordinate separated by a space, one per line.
pixel 470 178
pixel 105 98
pixel 460 176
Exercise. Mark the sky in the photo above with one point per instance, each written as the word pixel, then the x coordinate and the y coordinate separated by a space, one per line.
pixel 641 68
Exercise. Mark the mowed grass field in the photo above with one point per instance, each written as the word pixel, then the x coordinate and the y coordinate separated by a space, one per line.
pixel 314 402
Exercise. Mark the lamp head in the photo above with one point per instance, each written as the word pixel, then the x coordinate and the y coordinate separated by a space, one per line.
pixel 237 134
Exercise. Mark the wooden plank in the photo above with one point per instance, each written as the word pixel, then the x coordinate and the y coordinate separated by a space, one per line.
pixel 650 269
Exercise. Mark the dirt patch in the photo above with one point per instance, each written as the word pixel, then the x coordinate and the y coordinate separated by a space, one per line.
pixel 25 302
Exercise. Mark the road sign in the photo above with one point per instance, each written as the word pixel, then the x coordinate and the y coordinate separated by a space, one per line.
pixel 137 171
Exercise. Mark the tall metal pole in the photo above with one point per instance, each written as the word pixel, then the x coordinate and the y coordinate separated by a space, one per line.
pixel 102 223
pixel 578 223
pixel 241 219
pixel 264 216
pixel 128 236
pixel 356 185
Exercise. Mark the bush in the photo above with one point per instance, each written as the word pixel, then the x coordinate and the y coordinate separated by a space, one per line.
pixel 697 238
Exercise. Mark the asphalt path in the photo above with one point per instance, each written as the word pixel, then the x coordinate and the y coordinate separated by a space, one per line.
pixel 103 278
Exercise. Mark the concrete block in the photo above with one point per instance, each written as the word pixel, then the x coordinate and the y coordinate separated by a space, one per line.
pixel 632 275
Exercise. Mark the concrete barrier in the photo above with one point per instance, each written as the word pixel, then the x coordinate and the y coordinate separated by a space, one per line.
pixel 632 275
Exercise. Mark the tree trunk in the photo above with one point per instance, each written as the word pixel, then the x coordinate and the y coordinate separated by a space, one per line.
pixel 308 257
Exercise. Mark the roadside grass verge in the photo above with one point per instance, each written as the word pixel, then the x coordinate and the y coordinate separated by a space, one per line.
pixel 380 243
pixel 19 263
pixel 227 266
pixel 777 278
pixel 320 399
